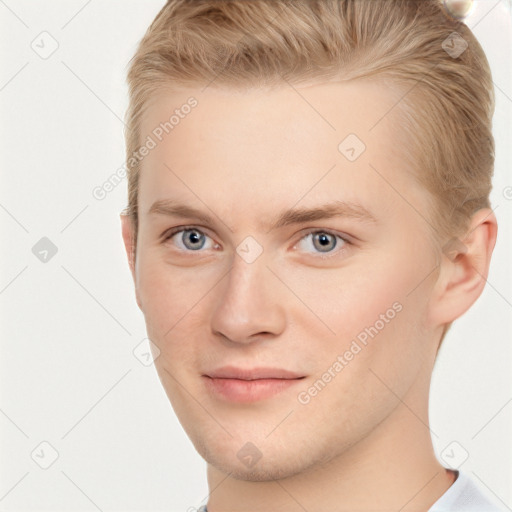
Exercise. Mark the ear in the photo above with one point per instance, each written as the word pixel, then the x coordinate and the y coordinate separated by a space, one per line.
pixel 464 269
pixel 128 232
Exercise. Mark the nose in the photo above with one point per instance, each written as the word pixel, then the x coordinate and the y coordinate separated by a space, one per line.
pixel 250 305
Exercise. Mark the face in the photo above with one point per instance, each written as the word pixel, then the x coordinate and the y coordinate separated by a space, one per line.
pixel 280 336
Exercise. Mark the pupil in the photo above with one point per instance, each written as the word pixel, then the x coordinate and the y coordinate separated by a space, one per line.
pixel 323 238
pixel 193 238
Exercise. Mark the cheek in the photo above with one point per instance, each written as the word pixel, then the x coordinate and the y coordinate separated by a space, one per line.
pixel 376 346
pixel 369 312
pixel 342 302
pixel 170 299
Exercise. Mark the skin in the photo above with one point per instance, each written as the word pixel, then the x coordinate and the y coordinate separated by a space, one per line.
pixel 362 442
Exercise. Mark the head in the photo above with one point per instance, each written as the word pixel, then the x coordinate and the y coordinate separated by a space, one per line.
pixel 244 110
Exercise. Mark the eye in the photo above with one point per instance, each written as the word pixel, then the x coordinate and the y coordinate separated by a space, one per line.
pixel 323 242
pixel 320 241
pixel 191 239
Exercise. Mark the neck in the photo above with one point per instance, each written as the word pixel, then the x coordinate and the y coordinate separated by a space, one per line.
pixel 393 468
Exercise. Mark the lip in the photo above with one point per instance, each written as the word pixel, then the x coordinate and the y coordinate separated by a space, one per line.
pixel 249 385
pixel 233 372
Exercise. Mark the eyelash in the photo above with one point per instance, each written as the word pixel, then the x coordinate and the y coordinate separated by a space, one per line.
pixel 169 234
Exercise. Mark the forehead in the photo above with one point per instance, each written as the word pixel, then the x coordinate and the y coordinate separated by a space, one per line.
pixel 248 147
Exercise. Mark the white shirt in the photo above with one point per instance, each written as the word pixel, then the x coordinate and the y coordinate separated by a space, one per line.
pixel 462 496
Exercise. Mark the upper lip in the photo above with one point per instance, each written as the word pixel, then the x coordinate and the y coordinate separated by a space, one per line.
pixel 232 372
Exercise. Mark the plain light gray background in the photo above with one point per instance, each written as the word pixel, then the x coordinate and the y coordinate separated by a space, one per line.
pixel 74 396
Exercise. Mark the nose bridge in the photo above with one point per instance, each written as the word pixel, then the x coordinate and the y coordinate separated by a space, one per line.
pixel 248 305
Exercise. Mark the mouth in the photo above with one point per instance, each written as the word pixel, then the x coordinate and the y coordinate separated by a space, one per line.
pixel 249 385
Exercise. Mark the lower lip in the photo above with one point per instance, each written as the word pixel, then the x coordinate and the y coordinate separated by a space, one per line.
pixel 244 391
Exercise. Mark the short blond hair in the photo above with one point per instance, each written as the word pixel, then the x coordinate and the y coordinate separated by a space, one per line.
pixel 445 111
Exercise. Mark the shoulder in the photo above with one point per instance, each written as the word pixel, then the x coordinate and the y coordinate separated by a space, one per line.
pixel 465 495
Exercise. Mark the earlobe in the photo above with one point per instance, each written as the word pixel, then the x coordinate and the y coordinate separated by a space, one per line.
pixel 464 269
pixel 128 239
pixel 128 233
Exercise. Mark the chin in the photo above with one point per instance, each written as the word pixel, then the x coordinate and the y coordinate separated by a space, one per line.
pixel 275 463
pixel 260 472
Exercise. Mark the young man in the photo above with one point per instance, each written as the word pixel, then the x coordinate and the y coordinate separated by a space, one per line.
pixel 308 214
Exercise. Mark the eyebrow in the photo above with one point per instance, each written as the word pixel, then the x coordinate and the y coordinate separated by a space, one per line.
pixel 285 218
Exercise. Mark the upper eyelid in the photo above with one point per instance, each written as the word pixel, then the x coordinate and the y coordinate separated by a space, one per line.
pixel 174 231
